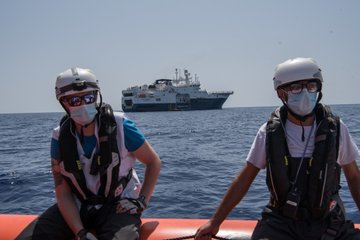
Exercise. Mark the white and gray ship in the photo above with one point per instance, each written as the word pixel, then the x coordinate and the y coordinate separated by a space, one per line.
pixel 180 94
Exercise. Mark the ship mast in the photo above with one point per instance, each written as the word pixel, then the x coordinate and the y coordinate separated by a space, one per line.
pixel 187 76
pixel 176 74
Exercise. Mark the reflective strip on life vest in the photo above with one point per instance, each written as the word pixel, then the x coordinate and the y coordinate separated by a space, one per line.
pixel 72 178
pixel 114 163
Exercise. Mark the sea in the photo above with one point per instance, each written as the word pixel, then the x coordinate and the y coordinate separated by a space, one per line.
pixel 201 153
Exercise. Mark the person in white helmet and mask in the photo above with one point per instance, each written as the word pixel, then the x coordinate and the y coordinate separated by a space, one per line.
pixel 303 147
pixel 93 154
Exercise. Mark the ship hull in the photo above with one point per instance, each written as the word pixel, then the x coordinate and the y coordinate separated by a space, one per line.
pixel 179 94
pixel 194 104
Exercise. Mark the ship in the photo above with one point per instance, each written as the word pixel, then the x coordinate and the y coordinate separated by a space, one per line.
pixel 183 93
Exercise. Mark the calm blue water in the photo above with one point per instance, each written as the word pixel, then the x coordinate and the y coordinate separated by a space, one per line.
pixel 202 151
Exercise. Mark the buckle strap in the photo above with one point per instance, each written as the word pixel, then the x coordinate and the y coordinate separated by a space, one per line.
pixel 329 234
pixel 123 183
pixel 336 221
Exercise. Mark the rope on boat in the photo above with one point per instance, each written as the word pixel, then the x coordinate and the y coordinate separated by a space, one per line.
pixel 193 236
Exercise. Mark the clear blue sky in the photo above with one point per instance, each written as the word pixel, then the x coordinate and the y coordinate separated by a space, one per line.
pixel 231 45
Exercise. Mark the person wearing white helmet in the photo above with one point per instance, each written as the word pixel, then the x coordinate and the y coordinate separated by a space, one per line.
pixel 93 154
pixel 69 85
pixel 303 147
pixel 290 75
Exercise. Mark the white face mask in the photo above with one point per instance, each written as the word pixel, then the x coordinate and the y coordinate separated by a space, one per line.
pixel 302 103
pixel 83 114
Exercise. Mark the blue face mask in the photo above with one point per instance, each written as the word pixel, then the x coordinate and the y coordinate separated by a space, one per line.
pixel 83 114
pixel 302 103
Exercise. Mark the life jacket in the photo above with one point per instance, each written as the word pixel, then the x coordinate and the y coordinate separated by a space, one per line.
pixel 322 171
pixel 106 162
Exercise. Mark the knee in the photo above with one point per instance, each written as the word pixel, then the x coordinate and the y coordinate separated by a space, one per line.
pixel 130 232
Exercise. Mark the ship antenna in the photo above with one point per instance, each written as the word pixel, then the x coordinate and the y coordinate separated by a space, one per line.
pixel 176 74
pixel 187 76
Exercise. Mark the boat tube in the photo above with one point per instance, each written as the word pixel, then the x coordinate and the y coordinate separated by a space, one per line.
pixel 11 225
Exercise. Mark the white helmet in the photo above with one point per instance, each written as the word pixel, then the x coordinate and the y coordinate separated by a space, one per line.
pixel 296 69
pixel 75 80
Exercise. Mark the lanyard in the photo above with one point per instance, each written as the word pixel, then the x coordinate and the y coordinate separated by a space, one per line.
pixel 303 156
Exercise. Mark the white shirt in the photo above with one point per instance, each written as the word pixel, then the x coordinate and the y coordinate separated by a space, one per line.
pixel 348 151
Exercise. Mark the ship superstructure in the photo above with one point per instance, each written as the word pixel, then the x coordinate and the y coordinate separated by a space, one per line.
pixel 179 94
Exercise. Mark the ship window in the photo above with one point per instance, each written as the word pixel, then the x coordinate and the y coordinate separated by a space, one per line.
pixel 158 99
pixel 128 102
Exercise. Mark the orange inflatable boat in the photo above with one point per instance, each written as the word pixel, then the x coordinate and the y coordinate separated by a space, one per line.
pixel 151 229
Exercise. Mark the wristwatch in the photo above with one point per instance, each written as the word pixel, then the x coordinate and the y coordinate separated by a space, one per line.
pixel 81 234
pixel 142 199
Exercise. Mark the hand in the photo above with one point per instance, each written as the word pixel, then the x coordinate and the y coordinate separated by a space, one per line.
pixel 206 231
pixel 83 234
pixel 130 205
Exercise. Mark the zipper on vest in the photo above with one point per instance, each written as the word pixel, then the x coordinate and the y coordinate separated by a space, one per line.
pixel 321 172
pixel 72 179
pixel 324 183
pixel 272 183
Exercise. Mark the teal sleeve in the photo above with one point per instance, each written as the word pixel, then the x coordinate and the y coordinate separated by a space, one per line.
pixel 133 136
pixel 54 150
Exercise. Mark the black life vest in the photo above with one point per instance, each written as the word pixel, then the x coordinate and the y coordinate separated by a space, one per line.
pixel 106 162
pixel 323 172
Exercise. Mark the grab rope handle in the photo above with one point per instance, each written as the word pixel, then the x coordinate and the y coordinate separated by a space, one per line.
pixel 193 236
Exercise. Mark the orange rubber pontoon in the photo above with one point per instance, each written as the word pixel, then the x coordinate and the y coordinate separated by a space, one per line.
pixel 11 225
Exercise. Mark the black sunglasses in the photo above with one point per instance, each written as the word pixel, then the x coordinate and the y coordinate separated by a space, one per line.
pixel 75 101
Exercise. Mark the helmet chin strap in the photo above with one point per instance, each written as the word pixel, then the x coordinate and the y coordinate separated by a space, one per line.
pixel 67 112
pixel 101 102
